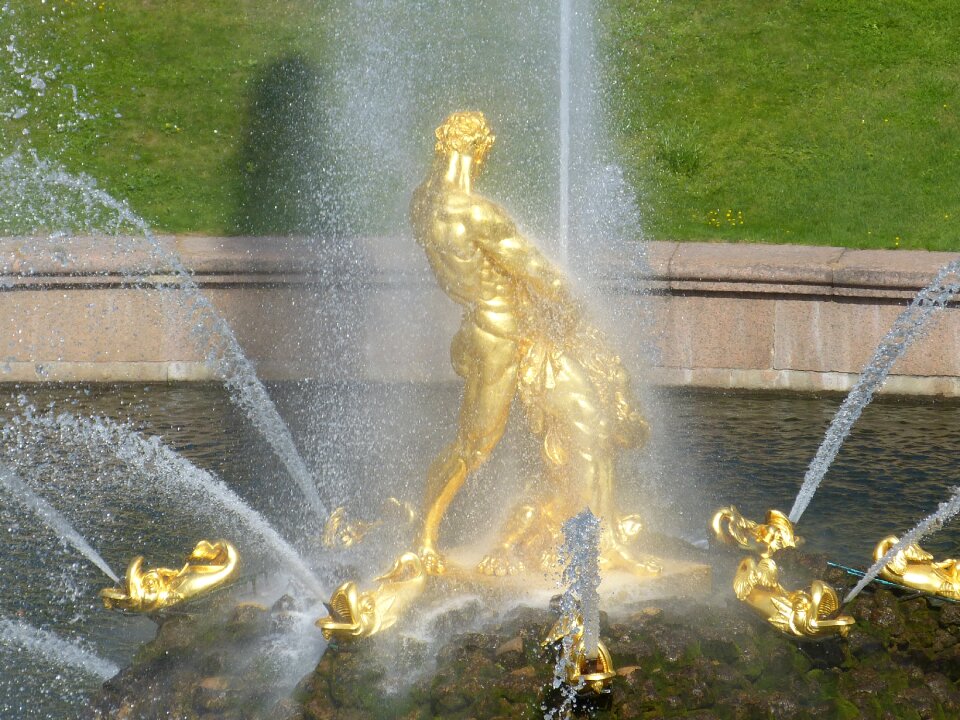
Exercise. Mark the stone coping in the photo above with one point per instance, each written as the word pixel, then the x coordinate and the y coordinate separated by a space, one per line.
pixel 792 269
pixel 687 266
pixel 86 255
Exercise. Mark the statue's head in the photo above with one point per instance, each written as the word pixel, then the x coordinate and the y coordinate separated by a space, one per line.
pixel 466 133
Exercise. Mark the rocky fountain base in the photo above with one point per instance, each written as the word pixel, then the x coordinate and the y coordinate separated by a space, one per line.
pixel 691 658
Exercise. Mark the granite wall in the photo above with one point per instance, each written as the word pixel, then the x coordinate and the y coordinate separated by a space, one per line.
pixel 715 315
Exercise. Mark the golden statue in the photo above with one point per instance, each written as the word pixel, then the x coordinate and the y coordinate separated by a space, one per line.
pixel 915 567
pixel 361 614
pixel 731 527
pixel 209 565
pixel 523 336
pixel 595 673
pixel 797 613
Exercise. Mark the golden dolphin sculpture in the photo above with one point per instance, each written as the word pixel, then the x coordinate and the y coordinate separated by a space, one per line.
pixel 915 567
pixel 797 613
pixel 595 673
pixel 362 614
pixel 208 566
pixel 775 534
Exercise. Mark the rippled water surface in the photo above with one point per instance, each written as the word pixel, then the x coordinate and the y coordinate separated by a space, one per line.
pixel 365 442
pixel 752 451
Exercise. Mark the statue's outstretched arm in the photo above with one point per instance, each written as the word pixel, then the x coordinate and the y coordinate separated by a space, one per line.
pixel 521 259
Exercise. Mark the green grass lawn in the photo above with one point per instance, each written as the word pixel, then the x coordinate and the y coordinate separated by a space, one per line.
pixel 172 87
pixel 807 121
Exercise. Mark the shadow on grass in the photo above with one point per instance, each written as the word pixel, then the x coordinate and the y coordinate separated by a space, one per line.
pixel 285 180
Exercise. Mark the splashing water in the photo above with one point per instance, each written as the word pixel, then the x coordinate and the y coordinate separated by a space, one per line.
pixel 19 491
pixel 580 556
pixel 908 327
pixel 566 30
pixel 174 473
pixel 930 524
pixel 54 649
pixel 34 186
pixel 580 602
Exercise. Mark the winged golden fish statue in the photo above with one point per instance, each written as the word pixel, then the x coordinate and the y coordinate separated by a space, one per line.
pixel 775 534
pixel 916 568
pixel 147 591
pixel 799 613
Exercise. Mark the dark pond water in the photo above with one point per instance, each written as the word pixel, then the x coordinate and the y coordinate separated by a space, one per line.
pixel 368 441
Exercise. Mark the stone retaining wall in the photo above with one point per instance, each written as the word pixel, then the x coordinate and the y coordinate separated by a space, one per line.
pixel 795 317
pixel 731 316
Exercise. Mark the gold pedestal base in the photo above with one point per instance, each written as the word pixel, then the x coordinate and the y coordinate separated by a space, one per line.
pixel 678 578
pixel 407 588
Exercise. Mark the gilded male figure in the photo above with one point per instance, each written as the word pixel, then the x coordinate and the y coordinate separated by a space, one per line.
pixel 522 336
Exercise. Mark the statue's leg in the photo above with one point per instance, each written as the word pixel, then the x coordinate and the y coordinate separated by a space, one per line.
pixel 520 525
pixel 489 366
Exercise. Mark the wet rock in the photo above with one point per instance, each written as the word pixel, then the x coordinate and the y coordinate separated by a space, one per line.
pixel 750 661
pixel 950 614
pixel 885 613
pixel 287 709
pixel 247 620
pixel 860 643
pixel 210 694
pixel 446 700
pixel 723 650
pixel 175 633
pixel 920 699
pixel 864 681
pixel 782 706
pixel 514 645
pixel 944 691
pixel 697 693
pixel 284 604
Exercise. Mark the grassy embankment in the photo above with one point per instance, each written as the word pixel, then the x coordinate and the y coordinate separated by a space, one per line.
pixel 173 88
pixel 807 121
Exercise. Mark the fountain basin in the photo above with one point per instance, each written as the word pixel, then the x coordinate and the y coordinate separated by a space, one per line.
pixel 743 447
pixel 673 659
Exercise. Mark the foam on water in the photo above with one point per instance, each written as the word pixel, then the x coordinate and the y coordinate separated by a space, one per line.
pixel 54 649
pixel 22 494
pixel 908 327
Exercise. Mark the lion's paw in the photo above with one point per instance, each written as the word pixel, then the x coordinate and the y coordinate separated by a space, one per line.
pixel 433 562
pixel 499 565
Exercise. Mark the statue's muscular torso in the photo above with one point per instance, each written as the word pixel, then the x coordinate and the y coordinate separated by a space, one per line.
pixel 469 242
